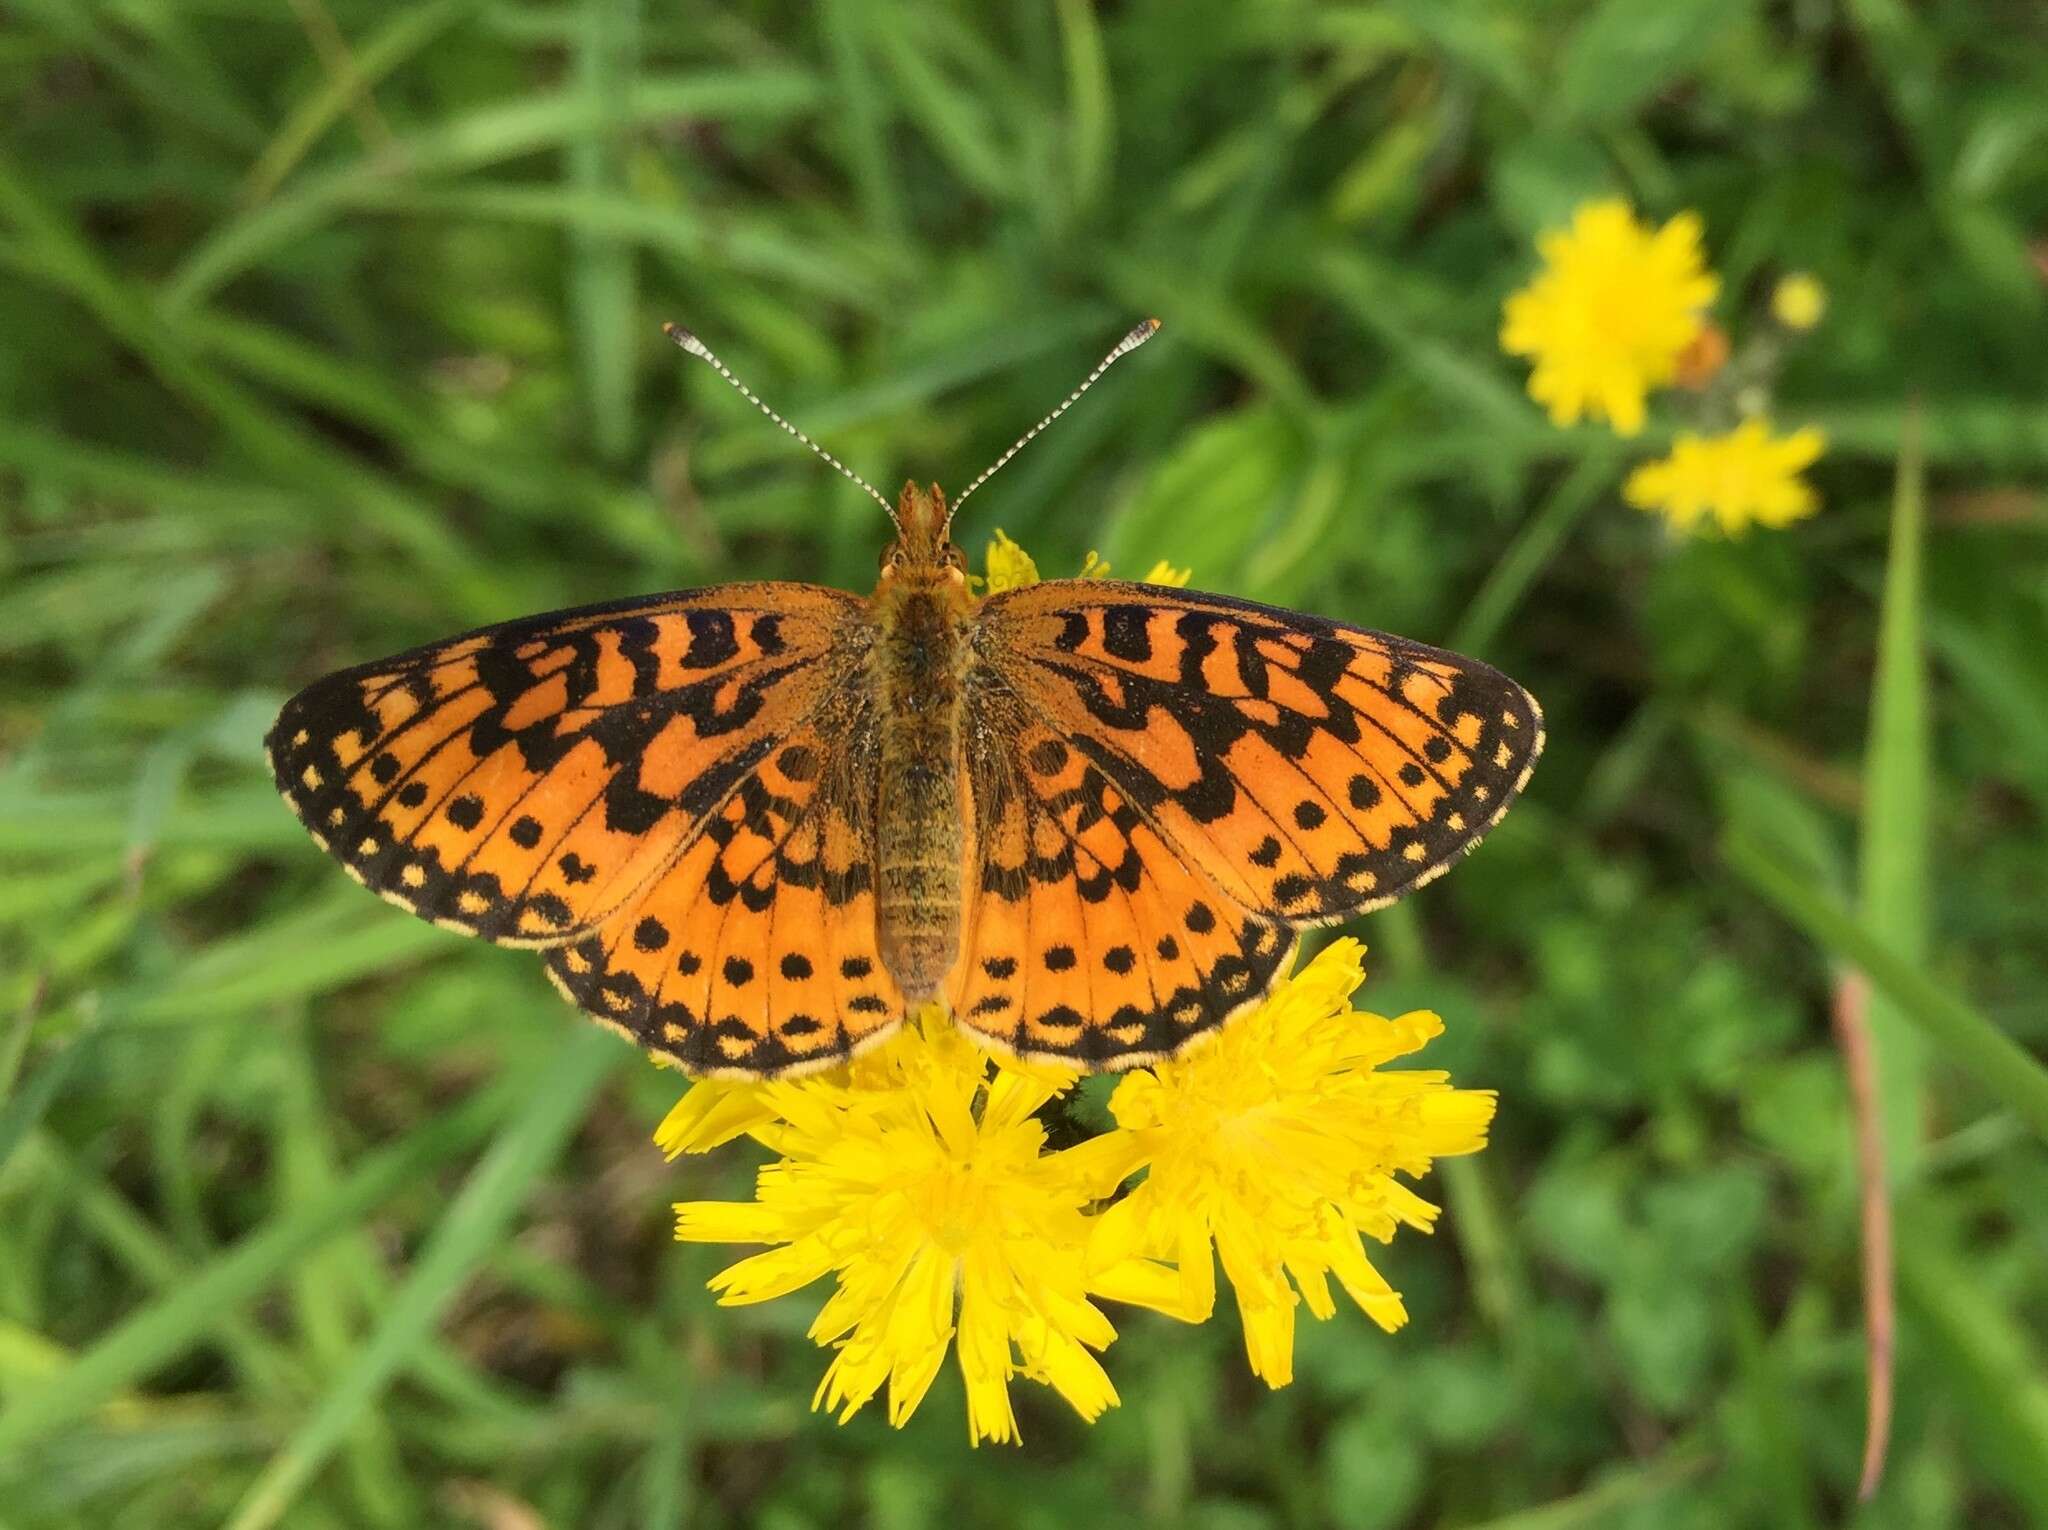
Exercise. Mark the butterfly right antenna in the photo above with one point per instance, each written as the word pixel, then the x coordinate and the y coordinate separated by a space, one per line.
pixel 702 352
pixel 1137 337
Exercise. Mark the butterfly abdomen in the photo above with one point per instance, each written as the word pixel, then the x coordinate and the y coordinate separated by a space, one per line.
pixel 917 672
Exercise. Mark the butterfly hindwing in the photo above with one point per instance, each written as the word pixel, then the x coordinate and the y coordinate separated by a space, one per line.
pixel 755 952
pixel 1312 769
pixel 524 781
pixel 1086 937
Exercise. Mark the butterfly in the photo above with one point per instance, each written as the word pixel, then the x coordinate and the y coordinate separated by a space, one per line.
pixel 749 827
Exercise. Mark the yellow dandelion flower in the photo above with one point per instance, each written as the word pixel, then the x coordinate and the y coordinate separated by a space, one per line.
pixel 1277 1146
pixel 1165 573
pixel 917 1178
pixel 1009 566
pixel 1608 318
pixel 711 1113
pixel 1747 476
pixel 1798 301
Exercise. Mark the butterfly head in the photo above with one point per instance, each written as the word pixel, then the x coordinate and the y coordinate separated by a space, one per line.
pixel 923 556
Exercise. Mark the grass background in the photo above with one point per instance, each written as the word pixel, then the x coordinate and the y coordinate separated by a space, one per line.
pixel 331 327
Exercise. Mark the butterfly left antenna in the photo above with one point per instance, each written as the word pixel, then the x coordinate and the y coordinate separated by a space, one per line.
pixel 702 352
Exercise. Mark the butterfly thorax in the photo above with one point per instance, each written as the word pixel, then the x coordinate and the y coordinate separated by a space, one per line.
pixel 922 611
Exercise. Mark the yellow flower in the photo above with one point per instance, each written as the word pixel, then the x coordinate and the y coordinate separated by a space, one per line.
pixel 1277 1146
pixel 917 1177
pixel 1798 301
pixel 1009 566
pixel 712 1113
pixel 1743 477
pixel 1611 313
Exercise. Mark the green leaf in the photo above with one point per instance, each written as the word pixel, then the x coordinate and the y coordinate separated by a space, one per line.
pixel 1627 51
pixel 1620 1489
pixel 1373 1472
pixel 1895 827
pixel 1203 507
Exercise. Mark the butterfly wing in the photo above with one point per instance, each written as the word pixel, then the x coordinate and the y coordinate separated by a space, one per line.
pixel 1086 937
pixel 754 953
pixel 524 782
pixel 1306 770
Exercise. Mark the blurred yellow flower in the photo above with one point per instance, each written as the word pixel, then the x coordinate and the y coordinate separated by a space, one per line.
pixel 1747 476
pixel 1607 319
pixel 1277 1146
pixel 918 1179
pixel 1009 566
pixel 1798 301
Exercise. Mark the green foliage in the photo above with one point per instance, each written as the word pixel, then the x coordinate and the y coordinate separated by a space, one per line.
pixel 332 327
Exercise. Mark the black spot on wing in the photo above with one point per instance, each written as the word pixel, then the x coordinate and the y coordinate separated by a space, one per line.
pixel 1142 1032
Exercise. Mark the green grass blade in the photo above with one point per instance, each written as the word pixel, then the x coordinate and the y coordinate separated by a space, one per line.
pixel 24 1109
pixel 69 259
pixel 88 29
pixel 488 135
pixel 1468 385
pixel 864 108
pixel 493 1193
pixel 1091 104
pixel 953 120
pixel 602 269
pixel 264 969
pixel 1895 826
pixel 165 1329
pixel 140 1247
pixel 2005 1070
pixel 1984 433
pixel 406 33
pixel 1988 1357
pixel 1625 1489
pixel 728 243
pixel 1531 551
pixel 326 1319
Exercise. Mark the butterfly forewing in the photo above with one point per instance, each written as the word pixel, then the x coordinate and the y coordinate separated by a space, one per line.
pixel 523 782
pixel 1305 769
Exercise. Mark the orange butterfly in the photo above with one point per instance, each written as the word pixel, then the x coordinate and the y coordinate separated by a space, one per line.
pixel 749 825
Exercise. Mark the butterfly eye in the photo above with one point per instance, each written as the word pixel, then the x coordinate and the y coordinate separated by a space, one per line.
pixel 953 558
pixel 892 557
